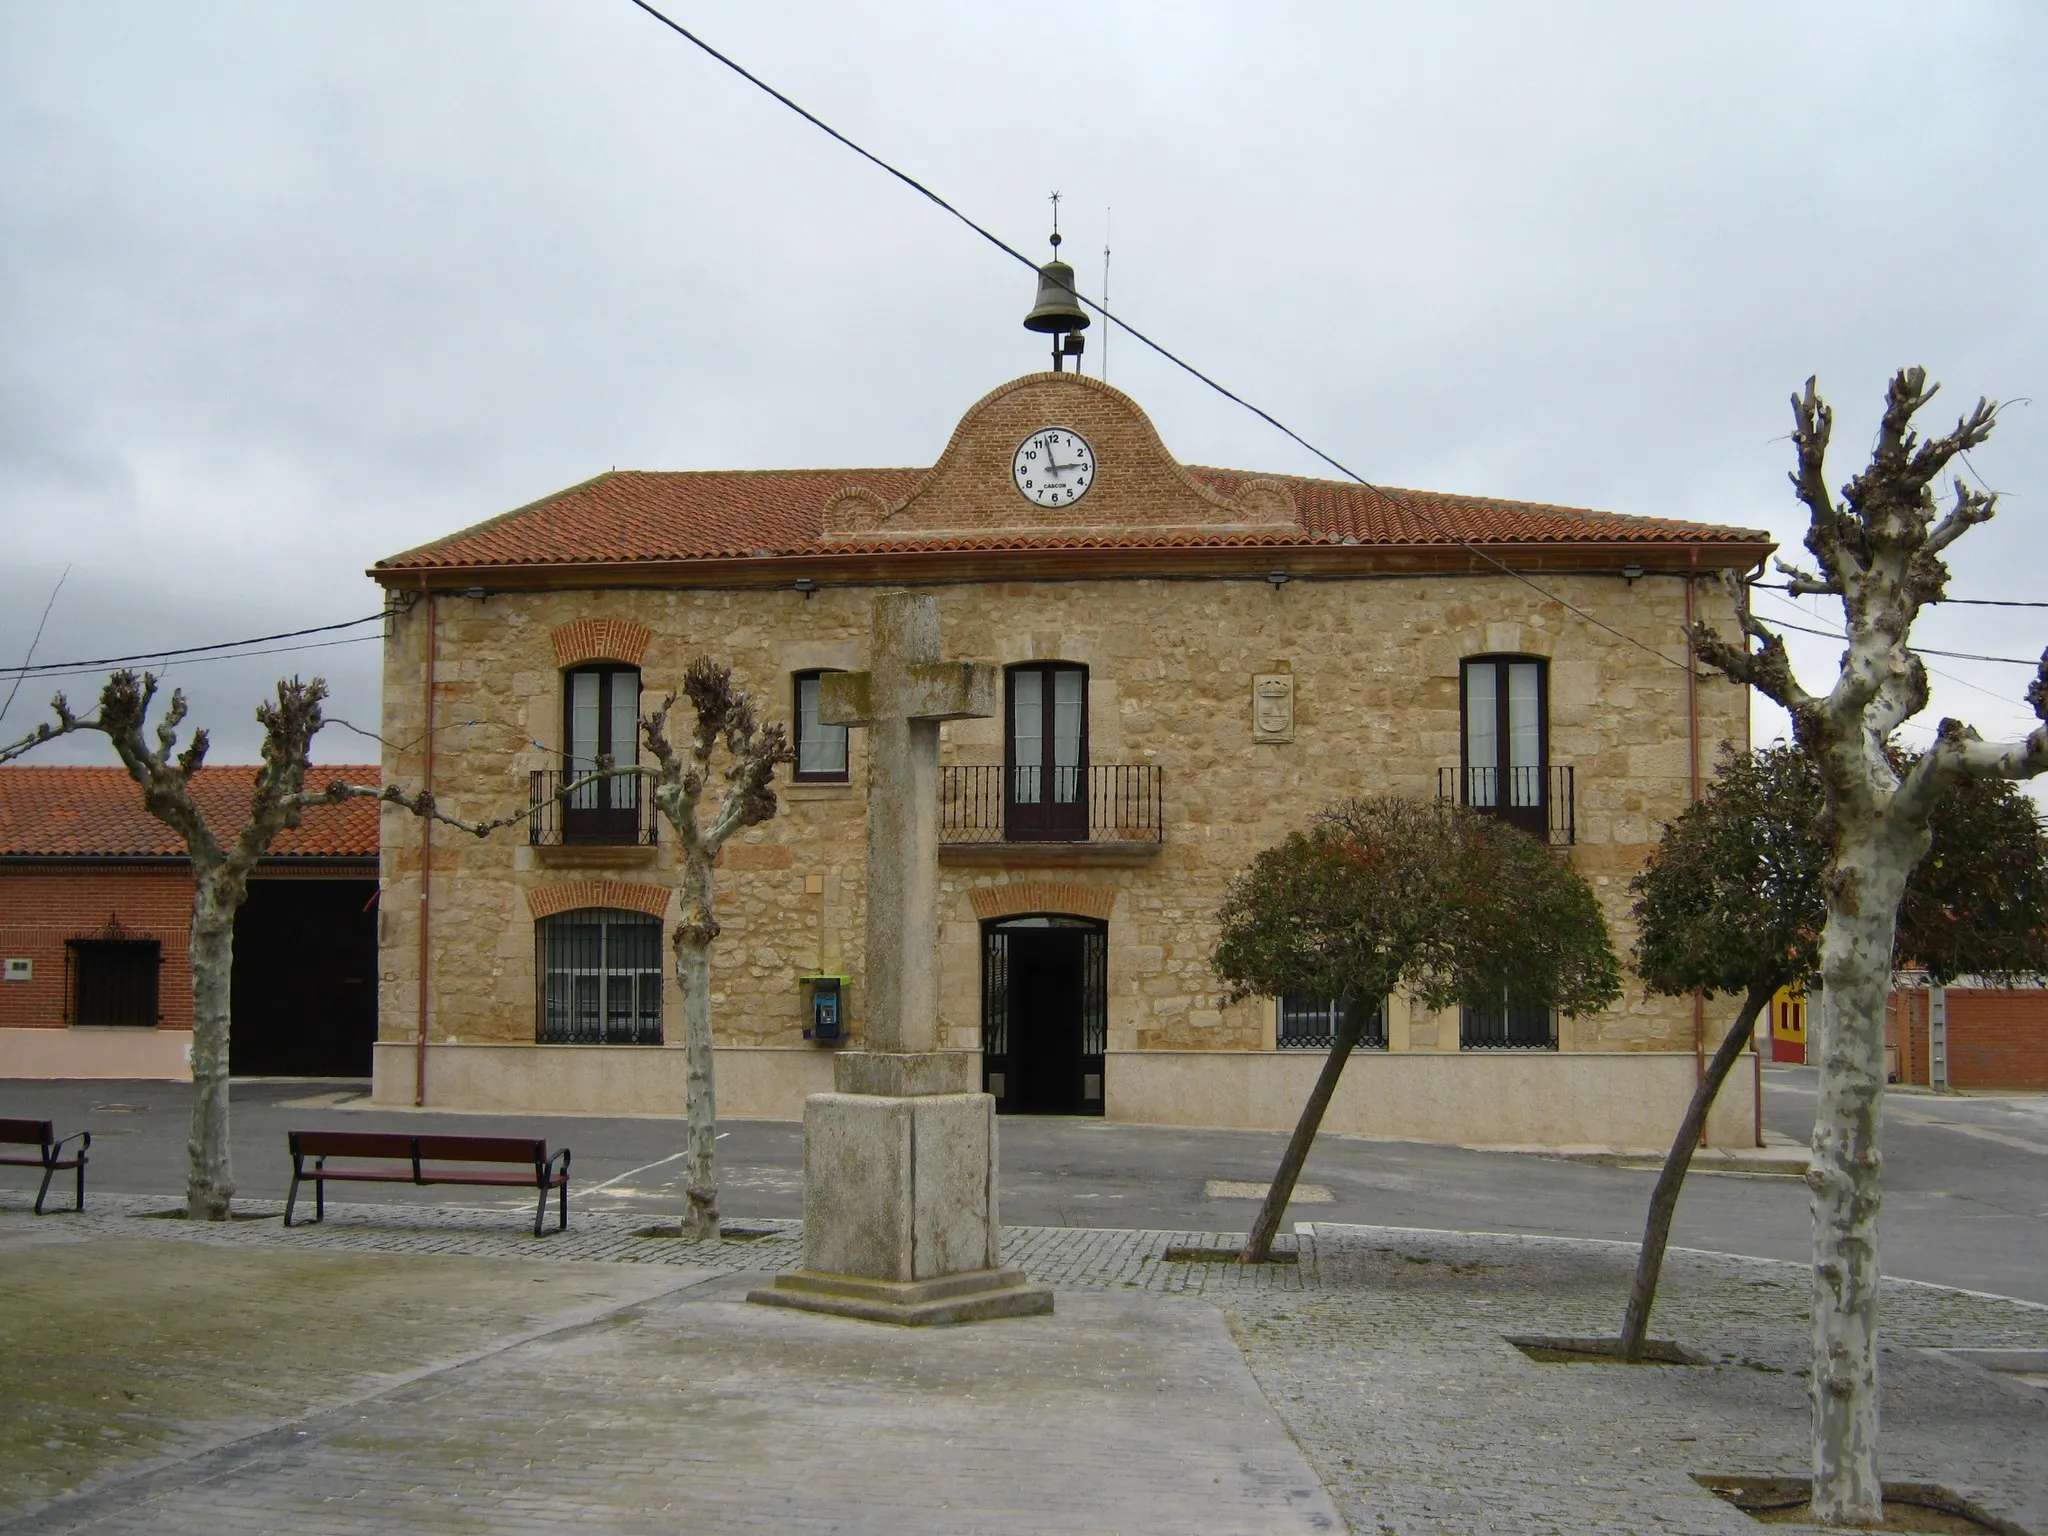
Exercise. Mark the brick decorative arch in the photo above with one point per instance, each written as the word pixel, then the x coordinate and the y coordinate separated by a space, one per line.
pixel 547 900
pixel 600 640
pixel 1042 896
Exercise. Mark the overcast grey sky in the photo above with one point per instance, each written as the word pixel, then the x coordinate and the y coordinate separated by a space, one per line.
pixel 286 288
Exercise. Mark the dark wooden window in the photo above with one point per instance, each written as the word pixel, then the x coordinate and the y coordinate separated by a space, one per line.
pixel 820 748
pixel 600 978
pixel 114 981
pixel 1045 754
pixel 1505 741
pixel 600 719
pixel 1310 1024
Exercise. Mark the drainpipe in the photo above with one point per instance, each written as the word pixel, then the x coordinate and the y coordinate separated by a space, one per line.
pixel 1692 755
pixel 419 1078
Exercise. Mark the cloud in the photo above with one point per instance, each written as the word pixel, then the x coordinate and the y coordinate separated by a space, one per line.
pixel 288 290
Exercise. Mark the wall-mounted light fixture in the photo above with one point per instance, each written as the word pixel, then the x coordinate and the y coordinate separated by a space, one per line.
pixel 1279 579
pixel 1631 573
pixel 475 592
pixel 805 585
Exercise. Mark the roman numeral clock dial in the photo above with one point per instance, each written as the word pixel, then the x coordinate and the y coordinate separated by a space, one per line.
pixel 1055 467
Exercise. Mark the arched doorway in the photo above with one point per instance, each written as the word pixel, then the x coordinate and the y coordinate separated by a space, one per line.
pixel 1044 1013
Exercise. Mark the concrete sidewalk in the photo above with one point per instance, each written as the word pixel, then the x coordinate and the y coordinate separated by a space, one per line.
pixel 439 1369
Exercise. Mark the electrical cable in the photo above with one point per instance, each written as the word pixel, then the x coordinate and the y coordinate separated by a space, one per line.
pixel 87 669
pixel 1835 634
pixel 1971 602
pixel 1137 335
pixel 49 667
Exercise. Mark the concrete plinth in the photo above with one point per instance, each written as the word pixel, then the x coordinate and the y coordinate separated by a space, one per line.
pixel 970 1298
pixel 900 1215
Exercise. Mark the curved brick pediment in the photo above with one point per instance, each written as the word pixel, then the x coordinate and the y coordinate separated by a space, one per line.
pixel 600 640
pixel 1138 484
pixel 572 895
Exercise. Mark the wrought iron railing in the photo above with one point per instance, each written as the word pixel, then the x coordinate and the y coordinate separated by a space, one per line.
pixel 618 812
pixel 1540 801
pixel 1117 803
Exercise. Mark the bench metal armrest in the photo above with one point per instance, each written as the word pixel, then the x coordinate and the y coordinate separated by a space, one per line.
pixel 83 1138
pixel 547 1169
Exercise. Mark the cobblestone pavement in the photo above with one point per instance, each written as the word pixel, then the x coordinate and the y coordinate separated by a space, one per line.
pixel 639 1393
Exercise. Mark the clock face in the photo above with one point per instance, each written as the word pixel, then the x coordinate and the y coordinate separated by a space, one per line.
pixel 1055 467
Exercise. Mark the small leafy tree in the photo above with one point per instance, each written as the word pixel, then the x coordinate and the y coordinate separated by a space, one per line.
pixel 677 780
pixel 220 868
pixel 1731 902
pixel 1878 549
pixel 1383 894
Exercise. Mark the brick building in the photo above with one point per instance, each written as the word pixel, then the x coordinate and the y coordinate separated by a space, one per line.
pixel 1994 1037
pixel 95 908
pixel 1195 660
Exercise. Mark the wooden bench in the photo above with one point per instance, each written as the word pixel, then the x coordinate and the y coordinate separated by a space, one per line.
pixel 367 1158
pixel 49 1156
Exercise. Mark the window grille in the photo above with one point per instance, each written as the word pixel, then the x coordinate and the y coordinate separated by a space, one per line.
pixel 1310 1024
pixel 1095 992
pixel 1506 1026
pixel 114 981
pixel 820 748
pixel 601 978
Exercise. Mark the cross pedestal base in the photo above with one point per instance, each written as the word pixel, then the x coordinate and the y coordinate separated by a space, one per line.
pixel 900 1219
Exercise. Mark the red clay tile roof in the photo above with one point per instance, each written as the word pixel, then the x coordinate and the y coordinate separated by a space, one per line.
pixel 646 515
pixel 97 813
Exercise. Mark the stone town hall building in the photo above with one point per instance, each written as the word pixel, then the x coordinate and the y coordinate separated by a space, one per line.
pixel 1195 660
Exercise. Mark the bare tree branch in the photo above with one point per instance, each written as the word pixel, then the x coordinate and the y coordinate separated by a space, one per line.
pixel 1768 669
pixel 1970 508
pixel 1804 584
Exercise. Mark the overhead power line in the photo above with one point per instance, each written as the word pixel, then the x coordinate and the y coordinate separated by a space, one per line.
pixel 1139 336
pixel 193 661
pixel 1836 634
pixel 51 668
pixel 1971 602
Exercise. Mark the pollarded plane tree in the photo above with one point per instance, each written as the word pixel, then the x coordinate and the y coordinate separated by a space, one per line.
pixel 1385 894
pixel 1878 549
pixel 1730 903
pixel 221 867
pixel 677 780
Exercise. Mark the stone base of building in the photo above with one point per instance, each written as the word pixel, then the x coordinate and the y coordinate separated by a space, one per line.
pixel 161 1055
pixel 978 1297
pixel 1626 1100
pixel 1616 1100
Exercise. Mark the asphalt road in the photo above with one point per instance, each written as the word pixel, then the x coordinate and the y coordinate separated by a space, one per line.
pixel 1966 1177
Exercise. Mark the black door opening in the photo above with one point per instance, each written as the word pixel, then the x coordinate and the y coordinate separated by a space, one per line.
pixel 304 991
pixel 1045 1014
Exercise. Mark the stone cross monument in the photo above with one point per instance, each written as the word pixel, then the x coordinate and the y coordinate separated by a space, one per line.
pixel 900 1221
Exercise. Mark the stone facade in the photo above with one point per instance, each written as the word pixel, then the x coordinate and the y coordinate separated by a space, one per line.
pixel 1372 656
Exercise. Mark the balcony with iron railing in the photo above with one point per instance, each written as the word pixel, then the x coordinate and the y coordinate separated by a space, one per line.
pixel 1106 810
pixel 1539 801
pixel 610 813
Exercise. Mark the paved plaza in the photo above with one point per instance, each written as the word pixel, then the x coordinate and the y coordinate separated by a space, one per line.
pixel 436 1368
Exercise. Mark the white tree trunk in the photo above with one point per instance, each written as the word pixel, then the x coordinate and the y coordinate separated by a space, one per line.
pixel 693 975
pixel 209 1179
pixel 1864 887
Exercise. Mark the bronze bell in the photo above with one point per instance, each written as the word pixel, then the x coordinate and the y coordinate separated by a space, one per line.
pixel 1057 309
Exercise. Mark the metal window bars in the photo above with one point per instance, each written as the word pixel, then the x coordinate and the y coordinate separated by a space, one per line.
pixel 1310 1024
pixel 601 978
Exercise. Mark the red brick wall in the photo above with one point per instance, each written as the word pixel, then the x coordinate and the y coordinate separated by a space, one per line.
pixel 41 907
pixel 1997 1039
